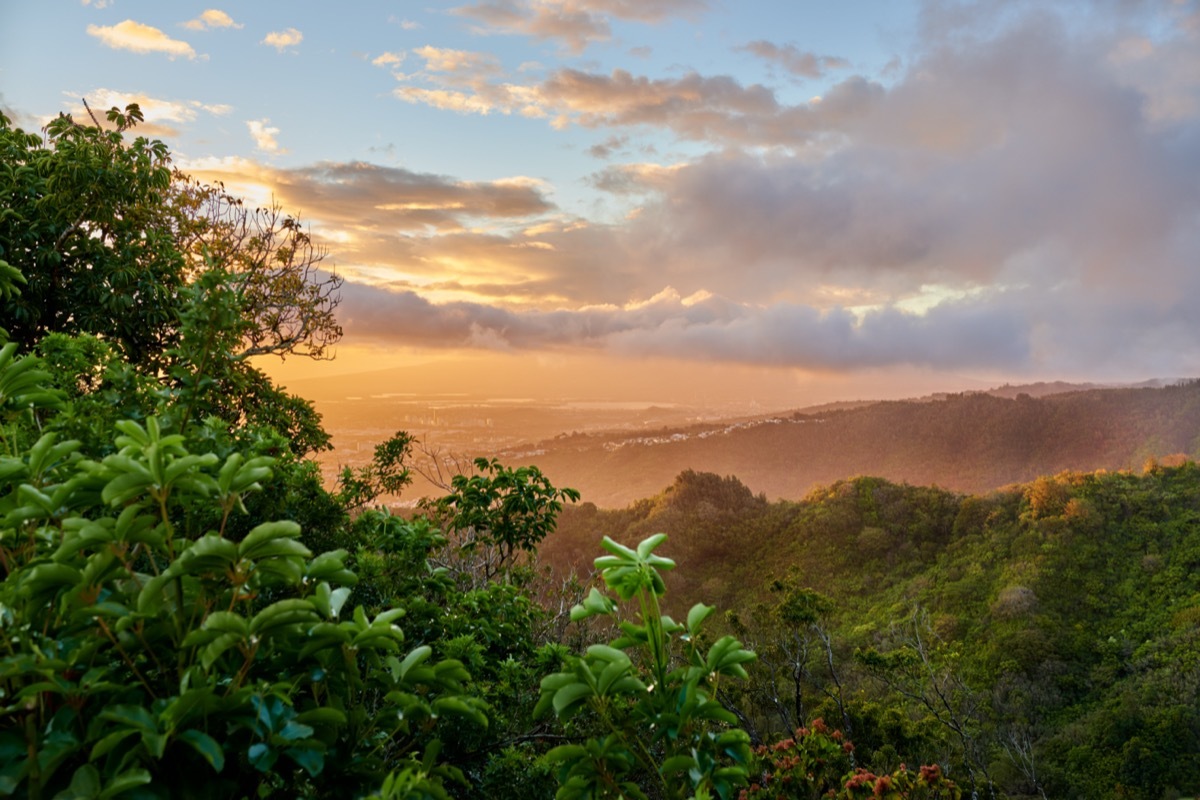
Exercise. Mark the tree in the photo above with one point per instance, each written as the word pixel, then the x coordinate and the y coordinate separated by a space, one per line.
pixel 795 651
pixel 287 301
pixel 497 515
pixel 87 219
pixel 108 236
pixel 926 672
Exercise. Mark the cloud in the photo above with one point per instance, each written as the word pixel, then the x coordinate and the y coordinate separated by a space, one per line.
pixel 634 178
pixel 701 327
pixel 797 62
pixel 716 109
pixel 461 63
pixel 97 3
pixel 264 136
pixel 218 109
pixel 282 40
pixel 388 59
pixel 574 24
pixel 609 147
pixel 138 38
pixel 365 198
pixel 693 106
pixel 469 83
pixel 211 18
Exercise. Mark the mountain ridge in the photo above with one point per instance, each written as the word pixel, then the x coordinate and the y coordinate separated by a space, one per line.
pixel 970 442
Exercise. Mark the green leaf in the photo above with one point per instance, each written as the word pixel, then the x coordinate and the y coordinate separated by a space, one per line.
pixel 295 730
pixel 647 545
pixel 130 779
pixel 133 716
pixel 210 554
pixel 102 747
pixel 283 613
pixel 310 758
pixel 226 622
pixel 417 656
pixel 679 763
pixel 566 752
pixel 85 785
pixel 262 757
pixel 262 536
pixel 322 716
pixel 569 696
pixel 697 615
pixel 206 746
pixel 217 647
pixel 461 708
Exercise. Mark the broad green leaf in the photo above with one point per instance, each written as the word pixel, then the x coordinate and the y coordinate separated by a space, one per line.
pixel 697 615
pixel 570 695
pixel 129 779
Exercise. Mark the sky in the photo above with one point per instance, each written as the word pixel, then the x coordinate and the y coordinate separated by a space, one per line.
pixel 794 200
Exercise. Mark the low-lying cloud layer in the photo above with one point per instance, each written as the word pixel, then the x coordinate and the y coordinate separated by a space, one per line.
pixel 708 327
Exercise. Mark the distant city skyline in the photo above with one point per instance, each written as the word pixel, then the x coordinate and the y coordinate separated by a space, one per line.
pixel 826 199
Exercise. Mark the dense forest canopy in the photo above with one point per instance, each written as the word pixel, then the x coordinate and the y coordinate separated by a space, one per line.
pixel 189 612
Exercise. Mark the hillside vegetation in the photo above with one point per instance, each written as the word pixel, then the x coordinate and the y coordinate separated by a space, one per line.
pixel 1045 636
pixel 968 442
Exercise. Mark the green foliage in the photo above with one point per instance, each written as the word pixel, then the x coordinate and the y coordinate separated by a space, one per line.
pixel 286 301
pixel 23 385
pixel 658 721
pixel 144 645
pixel 387 474
pixel 86 219
pixel 796 659
pixel 10 277
pixel 108 237
pixel 499 514
pixel 186 611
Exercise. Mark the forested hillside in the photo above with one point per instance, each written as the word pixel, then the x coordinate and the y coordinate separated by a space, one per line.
pixel 968 443
pixel 1045 636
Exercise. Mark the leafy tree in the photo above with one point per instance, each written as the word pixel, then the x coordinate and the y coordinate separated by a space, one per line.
pixel 497 515
pixel 387 474
pixel 107 236
pixel 794 643
pixel 926 671
pixel 86 218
